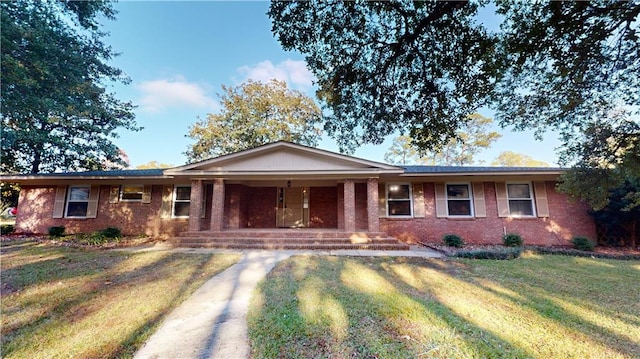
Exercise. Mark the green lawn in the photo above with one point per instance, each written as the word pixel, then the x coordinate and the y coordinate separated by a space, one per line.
pixel 533 307
pixel 63 302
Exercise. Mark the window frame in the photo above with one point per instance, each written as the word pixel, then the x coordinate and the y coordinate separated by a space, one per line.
pixel 468 199
pixel 131 200
pixel 531 200
pixel 388 200
pixel 174 200
pixel 69 201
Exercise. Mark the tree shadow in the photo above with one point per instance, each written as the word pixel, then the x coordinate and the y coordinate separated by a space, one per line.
pixel 374 312
pixel 547 306
pixel 390 308
pixel 102 275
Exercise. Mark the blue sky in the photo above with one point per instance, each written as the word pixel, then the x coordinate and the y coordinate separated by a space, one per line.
pixel 179 54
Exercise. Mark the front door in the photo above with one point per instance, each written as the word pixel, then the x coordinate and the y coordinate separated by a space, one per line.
pixel 292 206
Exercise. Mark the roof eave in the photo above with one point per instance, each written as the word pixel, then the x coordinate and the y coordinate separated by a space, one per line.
pixel 483 173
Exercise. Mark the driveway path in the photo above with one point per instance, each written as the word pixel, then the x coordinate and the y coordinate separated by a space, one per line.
pixel 211 323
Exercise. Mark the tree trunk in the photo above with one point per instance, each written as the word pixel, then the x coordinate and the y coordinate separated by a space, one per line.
pixel 634 234
pixel 37 159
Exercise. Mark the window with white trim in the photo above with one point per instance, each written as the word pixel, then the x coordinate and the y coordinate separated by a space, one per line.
pixel 131 193
pixel 459 200
pixel 77 201
pixel 181 201
pixel 520 198
pixel 399 200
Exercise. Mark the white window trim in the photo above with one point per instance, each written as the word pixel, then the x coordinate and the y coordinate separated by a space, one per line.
pixel 386 189
pixel 131 185
pixel 173 200
pixel 470 199
pixel 68 200
pixel 532 199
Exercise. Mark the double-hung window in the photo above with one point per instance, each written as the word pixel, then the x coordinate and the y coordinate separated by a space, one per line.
pixel 77 201
pixel 181 201
pixel 131 193
pixel 399 200
pixel 459 200
pixel 520 197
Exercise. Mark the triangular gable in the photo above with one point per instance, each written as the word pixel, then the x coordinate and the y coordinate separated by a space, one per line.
pixel 284 157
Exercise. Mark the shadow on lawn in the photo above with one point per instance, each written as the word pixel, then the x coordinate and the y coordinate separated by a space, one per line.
pixel 373 313
pixel 547 305
pixel 386 310
pixel 544 298
pixel 82 282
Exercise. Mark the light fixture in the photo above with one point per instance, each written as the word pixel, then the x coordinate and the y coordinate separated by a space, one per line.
pixel 288 184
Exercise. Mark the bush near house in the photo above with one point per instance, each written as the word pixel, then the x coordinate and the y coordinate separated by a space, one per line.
pixel 453 240
pixel 56 231
pixel 583 243
pixel 111 232
pixel 512 240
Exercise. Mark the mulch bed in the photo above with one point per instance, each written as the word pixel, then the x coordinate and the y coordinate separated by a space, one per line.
pixel 598 252
pixel 124 242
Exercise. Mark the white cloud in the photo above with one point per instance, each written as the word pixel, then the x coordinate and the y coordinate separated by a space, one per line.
pixel 295 73
pixel 161 94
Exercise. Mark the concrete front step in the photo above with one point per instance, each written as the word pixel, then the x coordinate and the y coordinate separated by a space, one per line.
pixel 258 240
pixel 288 239
pixel 296 246
pixel 283 233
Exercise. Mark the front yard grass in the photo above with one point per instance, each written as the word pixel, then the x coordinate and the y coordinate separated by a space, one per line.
pixel 65 302
pixel 538 306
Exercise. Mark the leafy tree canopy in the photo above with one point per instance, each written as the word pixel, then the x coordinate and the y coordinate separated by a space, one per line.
pixel 56 113
pixel 417 68
pixel 515 159
pixel 153 164
pixel 470 140
pixel 422 67
pixel 607 156
pixel 255 114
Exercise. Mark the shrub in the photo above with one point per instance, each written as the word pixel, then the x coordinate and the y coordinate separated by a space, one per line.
pixel 111 232
pixel 453 240
pixel 7 228
pixel 512 240
pixel 498 254
pixel 583 243
pixel 57 231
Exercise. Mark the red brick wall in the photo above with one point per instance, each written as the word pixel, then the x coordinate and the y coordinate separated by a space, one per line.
pixel 35 214
pixel 322 207
pixel 261 207
pixel 566 220
pixel 236 206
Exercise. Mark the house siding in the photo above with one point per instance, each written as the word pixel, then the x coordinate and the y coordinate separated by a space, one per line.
pixel 566 220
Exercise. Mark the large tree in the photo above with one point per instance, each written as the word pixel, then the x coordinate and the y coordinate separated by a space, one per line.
pixel 418 68
pixel 422 67
pixel 607 156
pixel 56 112
pixel 402 152
pixel 515 159
pixel 253 114
pixel 474 137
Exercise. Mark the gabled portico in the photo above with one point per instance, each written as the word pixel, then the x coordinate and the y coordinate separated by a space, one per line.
pixel 300 181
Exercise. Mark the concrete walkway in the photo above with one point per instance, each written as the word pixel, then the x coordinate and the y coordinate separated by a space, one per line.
pixel 211 323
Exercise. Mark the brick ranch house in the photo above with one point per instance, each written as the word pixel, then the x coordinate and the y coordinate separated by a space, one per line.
pixel 284 191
